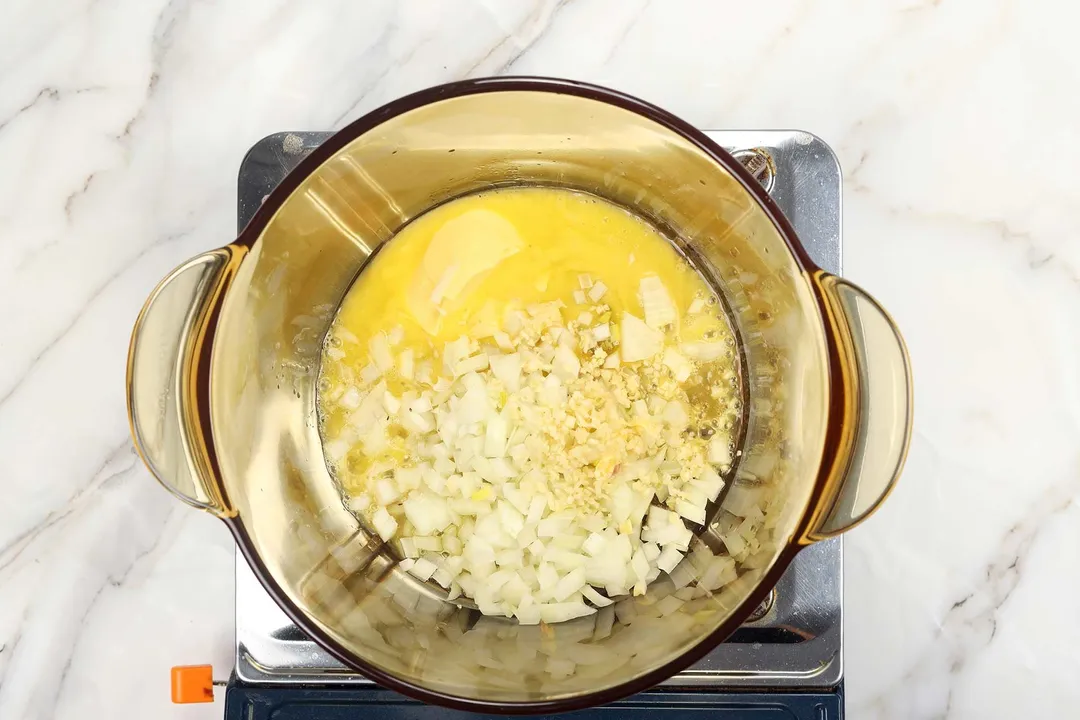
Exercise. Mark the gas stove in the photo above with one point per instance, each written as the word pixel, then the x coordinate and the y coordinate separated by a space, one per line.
pixel 787 661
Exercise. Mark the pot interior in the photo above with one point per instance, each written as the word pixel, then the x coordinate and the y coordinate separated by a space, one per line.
pixel 337 575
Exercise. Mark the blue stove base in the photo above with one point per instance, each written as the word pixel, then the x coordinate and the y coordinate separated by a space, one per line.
pixel 249 702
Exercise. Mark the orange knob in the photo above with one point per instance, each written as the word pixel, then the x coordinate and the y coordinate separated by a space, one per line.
pixel 192 684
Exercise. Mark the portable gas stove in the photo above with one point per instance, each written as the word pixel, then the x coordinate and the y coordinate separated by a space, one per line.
pixel 787 662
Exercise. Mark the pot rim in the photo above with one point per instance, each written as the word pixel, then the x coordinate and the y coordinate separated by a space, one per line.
pixel 328 149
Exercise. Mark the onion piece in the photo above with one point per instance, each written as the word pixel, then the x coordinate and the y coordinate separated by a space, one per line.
pixel 639 565
pixel 605 621
pixel 552 525
pixel 379 347
pixel 407 478
pixel 638 341
pixel 561 612
pixel 720 449
pixel 566 364
pixel 507 368
pixel 406 364
pixel 677 363
pixel 422 569
pixel 669 558
pixel 359 503
pixel 683 574
pixel 590 594
pixel 656 302
pixel 495 436
pixel 386 492
pixel 692 512
pixel 547 577
pixel 569 584
pixel 511 520
pixel 529 615
pixel 595 544
pixel 385 524
pixel 472 364
pixel 669 605
pixel 350 399
pixel 711 482
pixel 427 513
pixel 426 543
pixel 734 543
pixel 417 422
pixel 369 373
pixel 536 509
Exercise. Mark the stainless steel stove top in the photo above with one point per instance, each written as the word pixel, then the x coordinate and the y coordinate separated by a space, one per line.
pixel 796 640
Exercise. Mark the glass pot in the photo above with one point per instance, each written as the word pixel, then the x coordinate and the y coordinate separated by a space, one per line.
pixel 225 355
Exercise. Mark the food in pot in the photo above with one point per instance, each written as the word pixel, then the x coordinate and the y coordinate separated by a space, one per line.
pixel 534 398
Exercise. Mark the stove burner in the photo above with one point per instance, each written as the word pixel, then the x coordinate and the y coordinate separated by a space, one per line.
pixel 792 641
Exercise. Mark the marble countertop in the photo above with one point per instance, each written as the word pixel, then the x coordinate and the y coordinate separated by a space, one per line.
pixel 122 123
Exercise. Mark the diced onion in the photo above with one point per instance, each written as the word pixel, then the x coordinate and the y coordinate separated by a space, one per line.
pixel 720 449
pixel 473 454
pixel 507 368
pixel 385 524
pixel 427 514
pixel 638 341
pixel 566 364
pixel 590 594
pixel 656 302
pixel 386 492
pixel 692 512
pixel 495 436
pixel 422 569
pixel 561 612
pixel 380 352
pixel 569 584
pixel 669 558
pixel 678 364
pixel 406 364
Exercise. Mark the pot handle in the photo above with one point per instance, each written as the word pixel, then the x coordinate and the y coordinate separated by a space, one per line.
pixel 169 346
pixel 875 387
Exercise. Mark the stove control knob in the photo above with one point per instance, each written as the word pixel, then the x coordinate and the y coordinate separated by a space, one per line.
pixel 192 684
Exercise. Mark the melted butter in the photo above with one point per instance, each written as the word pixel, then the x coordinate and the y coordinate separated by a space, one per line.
pixel 454 270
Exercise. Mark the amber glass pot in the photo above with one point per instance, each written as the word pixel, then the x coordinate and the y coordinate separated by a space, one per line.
pixel 224 359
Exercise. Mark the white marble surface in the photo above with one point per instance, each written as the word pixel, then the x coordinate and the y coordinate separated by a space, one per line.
pixel 122 123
